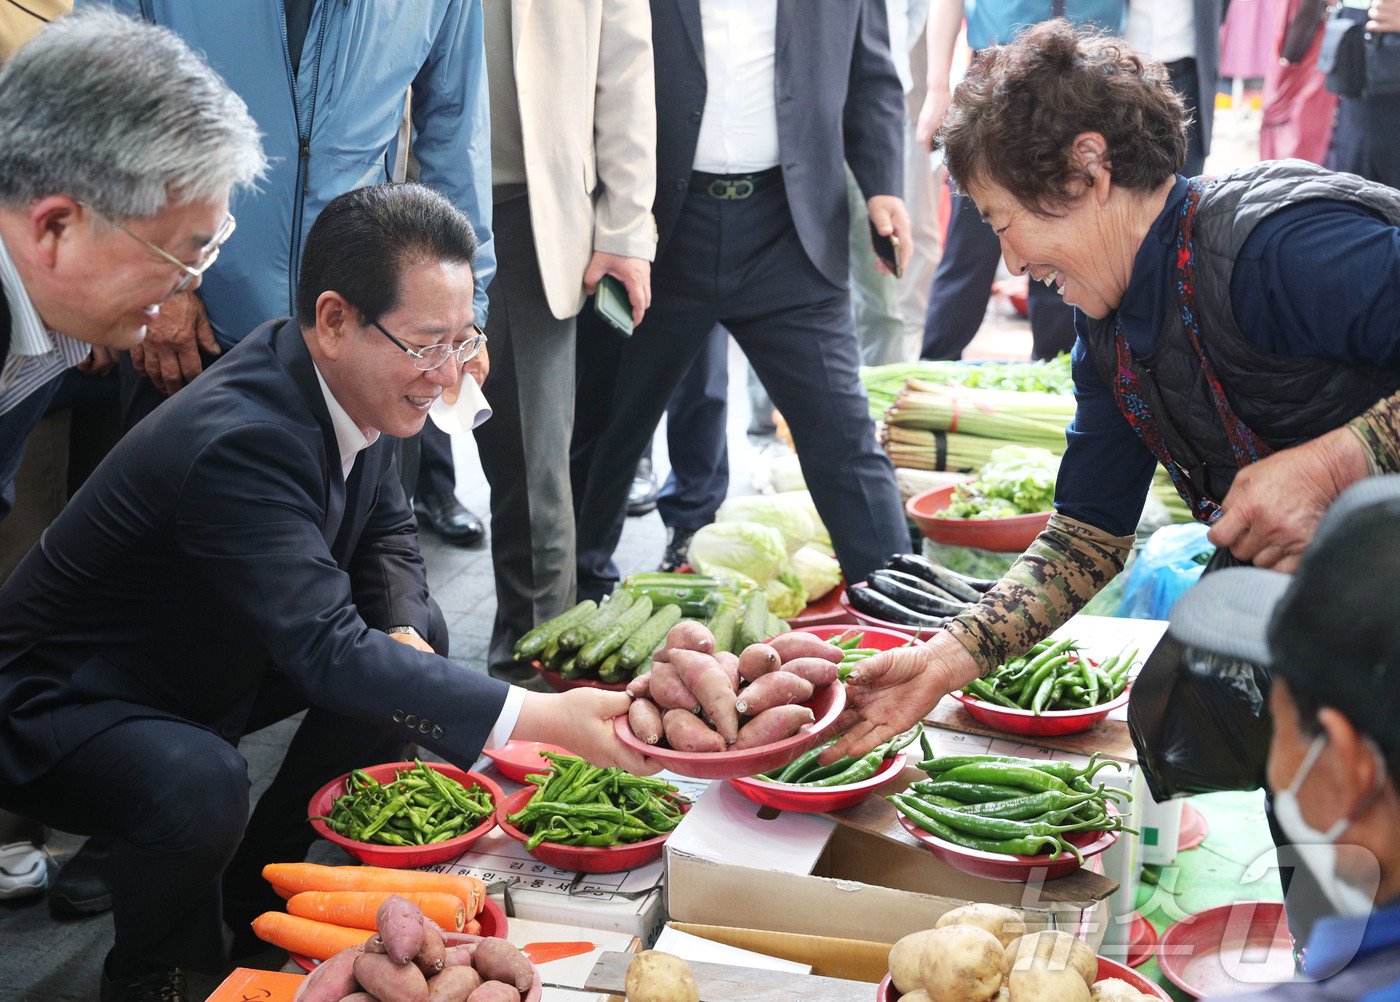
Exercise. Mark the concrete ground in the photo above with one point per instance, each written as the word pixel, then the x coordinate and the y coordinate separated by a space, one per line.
pixel 42 960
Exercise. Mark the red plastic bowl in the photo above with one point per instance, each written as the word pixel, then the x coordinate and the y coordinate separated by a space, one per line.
pixel 1001 535
pixel 401 857
pixel 582 859
pixel 1228 949
pixel 872 636
pixel 922 632
pixel 493 923
pixel 814 799
pixel 518 759
pixel 1015 869
pixel 1107 969
pixel 559 683
pixel 826 704
pixel 1050 723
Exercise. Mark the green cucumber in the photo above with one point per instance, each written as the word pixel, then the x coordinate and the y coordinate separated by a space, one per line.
pixel 724 627
pixel 611 669
pixel 601 644
pixel 637 649
pixel 753 627
pixel 541 636
pixel 776 627
pixel 609 612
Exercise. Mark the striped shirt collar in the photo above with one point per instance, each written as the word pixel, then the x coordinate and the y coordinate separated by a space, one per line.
pixel 36 355
pixel 28 335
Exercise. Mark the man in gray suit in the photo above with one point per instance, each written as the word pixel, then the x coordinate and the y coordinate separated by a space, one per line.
pixel 760 105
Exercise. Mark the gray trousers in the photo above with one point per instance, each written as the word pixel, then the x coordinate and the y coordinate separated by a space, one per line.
pixel 524 447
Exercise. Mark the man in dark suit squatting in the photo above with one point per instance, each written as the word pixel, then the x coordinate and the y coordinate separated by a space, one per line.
pixel 243 554
pixel 760 105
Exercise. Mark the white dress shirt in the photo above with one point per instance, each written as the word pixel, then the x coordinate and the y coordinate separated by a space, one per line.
pixel 352 441
pixel 37 355
pixel 1164 29
pixel 739 130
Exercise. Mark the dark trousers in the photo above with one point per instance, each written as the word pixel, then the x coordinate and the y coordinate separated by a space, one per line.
pixel 962 287
pixel 738 263
pixel 173 797
pixel 696 441
pixel 436 474
pixel 1186 82
pixel 524 447
pixel 1366 139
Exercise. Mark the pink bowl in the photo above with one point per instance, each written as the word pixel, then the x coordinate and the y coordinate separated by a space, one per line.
pixel 826 704
pixel 1107 969
pixel 406 856
pixel 559 683
pixel 580 858
pixel 1203 953
pixel 518 759
pixel 814 799
pixel 1014 869
pixel 1001 535
pixel 1049 723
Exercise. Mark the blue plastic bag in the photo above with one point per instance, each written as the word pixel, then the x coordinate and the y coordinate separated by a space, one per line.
pixel 1170 563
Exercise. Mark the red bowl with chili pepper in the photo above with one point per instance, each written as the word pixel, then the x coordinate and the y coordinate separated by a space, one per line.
pixel 813 799
pixel 581 858
pixel 1017 869
pixel 826 705
pixel 401 857
pixel 491 919
pixel 1107 969
pixel 1047 723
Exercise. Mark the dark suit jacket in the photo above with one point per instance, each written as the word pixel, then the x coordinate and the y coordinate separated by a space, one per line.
pixel 1209 16
pixel 218 542
pixel 838 99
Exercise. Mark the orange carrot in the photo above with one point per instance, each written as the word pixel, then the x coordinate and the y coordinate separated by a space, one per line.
pixel 319 940
pixel 298 877
pixel 282 892
pixel 357 909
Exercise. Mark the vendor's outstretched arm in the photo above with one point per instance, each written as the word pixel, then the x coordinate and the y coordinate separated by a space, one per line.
pixel 1065 567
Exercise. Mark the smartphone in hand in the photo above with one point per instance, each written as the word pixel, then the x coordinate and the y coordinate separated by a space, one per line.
pixel 610 302
pixel 887 250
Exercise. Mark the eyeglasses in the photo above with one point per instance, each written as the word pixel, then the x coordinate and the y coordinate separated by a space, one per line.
pixel 208 254
pixel 434 355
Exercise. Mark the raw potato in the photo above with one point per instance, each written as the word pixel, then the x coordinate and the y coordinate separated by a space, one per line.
pixel 640 687
pixel 1053 950
pixel 805 645
pixel 905 957
pixel 774 725
pixel 400 925
pixel 653 976
pixel 962 963
pixel 687 732
pixel 778 688
pixel 1114 990
pixel 454 984
pixel 384 979
pixel 330 981
pixel 703 676
pixel 495 991
pixel 668 691
pixel 645 720
pixel 498 960
pixel 1043 984
pixel 818 671
pixel 916 996
pixel 689 635
pixel 1002 923
pixel 757 660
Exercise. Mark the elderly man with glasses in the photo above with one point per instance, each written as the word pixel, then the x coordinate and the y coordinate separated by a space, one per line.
pixel 246 553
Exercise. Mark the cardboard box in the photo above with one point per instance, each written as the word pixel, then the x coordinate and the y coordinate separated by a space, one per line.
pixel 733 864
pixel 828 956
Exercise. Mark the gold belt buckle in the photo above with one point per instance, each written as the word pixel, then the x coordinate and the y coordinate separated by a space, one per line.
pixel 731 188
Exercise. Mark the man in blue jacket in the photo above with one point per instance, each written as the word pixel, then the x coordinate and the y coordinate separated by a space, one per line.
pixel 326 83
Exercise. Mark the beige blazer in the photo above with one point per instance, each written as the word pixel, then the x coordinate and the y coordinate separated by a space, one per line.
pixel 584 77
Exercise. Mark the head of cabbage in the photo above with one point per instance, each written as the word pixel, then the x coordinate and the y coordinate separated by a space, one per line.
pixel 750 552
pixel 786 514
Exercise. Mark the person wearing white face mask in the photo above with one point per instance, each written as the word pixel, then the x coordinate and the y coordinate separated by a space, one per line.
pixel 1330 635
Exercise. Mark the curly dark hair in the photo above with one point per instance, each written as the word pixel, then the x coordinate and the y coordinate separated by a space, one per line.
pixel 1014 117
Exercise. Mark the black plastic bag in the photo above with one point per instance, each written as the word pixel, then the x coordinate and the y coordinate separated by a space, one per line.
pixel 1200 722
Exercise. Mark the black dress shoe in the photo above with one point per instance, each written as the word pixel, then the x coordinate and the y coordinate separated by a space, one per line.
pixel 452 520
pixel 677 550
pixel 81 886
pixel 164 985
pixel 642 497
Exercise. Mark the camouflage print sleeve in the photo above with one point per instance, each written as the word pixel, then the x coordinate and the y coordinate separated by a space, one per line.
pixel 1068 564
pixel 1379 431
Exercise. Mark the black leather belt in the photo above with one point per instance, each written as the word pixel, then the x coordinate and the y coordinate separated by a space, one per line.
pixel 729 187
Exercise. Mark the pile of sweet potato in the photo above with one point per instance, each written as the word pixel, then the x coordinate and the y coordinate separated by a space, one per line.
pixel 698 699
pixel 407 961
